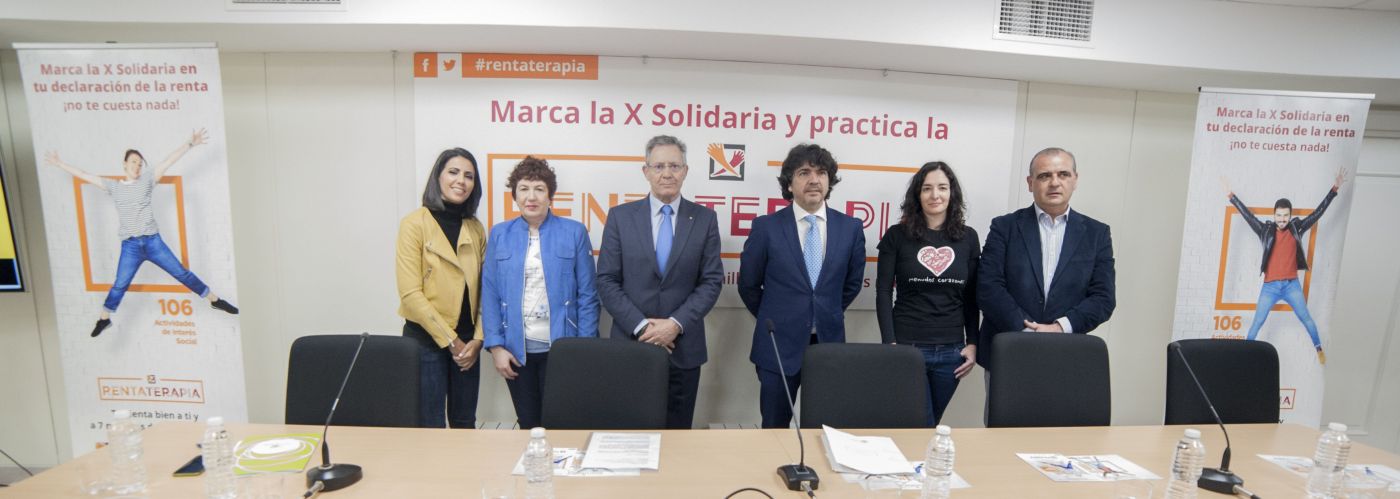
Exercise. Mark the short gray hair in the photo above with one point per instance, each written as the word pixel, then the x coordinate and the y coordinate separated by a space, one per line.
pixel 1051 151
pixel 665 140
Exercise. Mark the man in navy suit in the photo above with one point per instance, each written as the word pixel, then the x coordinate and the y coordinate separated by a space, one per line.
pixel 659 273
pixel 1045 268
pixel 801 267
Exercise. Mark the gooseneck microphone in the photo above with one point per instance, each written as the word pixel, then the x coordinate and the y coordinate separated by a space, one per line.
pixel 336 476
pixel 1220 480
pixel 796 476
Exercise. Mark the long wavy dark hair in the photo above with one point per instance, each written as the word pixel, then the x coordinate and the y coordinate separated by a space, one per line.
pixel 954 224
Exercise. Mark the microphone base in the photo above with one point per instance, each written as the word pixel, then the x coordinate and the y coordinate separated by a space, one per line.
pixel 794 475
pixel 334 476
pixel 1219 481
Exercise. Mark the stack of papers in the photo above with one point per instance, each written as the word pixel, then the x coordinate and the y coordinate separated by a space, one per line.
pixel 875 462
pixel 608 454
pixel 1091 468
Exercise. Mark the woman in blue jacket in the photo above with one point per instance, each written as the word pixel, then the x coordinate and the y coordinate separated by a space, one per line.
pixel 536 287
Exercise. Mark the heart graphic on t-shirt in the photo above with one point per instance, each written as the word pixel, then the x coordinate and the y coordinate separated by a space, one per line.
pixel 936 260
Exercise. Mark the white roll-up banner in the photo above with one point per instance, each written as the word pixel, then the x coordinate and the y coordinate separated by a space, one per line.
pixel 1266 216
pixel 133 175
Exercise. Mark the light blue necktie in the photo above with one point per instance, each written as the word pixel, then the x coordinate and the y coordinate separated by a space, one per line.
pixel 812 250
pixel 663 239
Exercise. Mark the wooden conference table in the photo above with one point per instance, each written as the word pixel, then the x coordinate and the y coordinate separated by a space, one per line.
pixel 713 463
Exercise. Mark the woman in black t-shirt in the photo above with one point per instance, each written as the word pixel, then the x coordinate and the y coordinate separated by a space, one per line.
pixel 931 256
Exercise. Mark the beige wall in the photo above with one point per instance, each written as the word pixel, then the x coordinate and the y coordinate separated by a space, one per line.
pixel 321 170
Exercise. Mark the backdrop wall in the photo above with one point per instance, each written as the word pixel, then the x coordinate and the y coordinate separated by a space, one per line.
pixel 321 168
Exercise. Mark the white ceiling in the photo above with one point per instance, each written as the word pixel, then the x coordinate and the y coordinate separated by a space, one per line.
pixel 1157 45
pixel 1380 5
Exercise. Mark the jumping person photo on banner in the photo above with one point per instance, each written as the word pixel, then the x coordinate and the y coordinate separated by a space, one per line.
pixel 141 241
pixel 1284 257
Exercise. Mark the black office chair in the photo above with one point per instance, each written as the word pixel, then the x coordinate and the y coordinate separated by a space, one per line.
pixel 864 385
pixel 382 391
pixel 1044 379
pixel 605 384
pixel 1241 378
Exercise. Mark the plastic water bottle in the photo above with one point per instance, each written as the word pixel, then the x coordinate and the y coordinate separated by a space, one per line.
pixel 938 464
pixel 124 445
pixel 217 452
pixel 1329 463
pixel 1186 465
pixel 539 467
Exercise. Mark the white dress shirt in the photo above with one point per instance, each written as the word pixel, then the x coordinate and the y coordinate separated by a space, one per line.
pixel 1052 241
pixel 800 213
pixel 656 205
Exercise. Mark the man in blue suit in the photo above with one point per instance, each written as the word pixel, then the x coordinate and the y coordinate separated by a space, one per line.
pixel 659 273
pixel 800 268
pixel 1045 268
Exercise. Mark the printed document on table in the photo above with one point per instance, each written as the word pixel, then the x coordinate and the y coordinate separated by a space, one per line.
pixel 873 455
pixel 568 462
pixel 623 451
pixel 1092 468
pixel 1299 465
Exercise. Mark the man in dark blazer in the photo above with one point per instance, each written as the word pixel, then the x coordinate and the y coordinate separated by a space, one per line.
pixel 1045 268
pixel 800 268
pixel 659 273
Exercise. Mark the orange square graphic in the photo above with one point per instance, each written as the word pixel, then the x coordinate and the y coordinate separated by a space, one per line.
pixel 174 181
pixel 425 65
pixel 1220 303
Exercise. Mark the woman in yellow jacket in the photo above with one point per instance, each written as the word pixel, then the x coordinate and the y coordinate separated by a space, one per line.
pixel 439 276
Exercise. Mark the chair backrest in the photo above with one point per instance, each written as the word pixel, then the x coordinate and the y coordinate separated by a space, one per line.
pixel 1241 378
pixel 383 390
pixel 1046 379
pixel 863 385
pixel 605 384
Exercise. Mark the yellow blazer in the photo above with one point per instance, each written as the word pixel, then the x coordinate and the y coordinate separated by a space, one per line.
pixel 431 274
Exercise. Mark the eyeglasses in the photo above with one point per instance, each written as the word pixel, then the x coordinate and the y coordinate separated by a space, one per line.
pixel 665 167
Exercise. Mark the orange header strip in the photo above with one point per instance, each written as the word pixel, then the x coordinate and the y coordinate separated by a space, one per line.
pixel 532 66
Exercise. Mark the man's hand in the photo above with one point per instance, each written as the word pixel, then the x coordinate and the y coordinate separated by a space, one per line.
pixel 1224 182
pixel 1053 327
pixel 1341 178
pixel 662 332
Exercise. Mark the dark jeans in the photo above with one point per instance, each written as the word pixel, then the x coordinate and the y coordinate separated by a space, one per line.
pixel 446 388
pixel 141 249
pixel 527 389
pixel 939 363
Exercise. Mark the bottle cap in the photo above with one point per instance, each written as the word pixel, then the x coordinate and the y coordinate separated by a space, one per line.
pixel 122 414
pixel 1337 427
pixel 943 429
pixel 215 421
pixel 1193 433
pixel 537 432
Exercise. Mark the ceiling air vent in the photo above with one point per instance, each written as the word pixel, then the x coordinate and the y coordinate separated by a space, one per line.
pixel 1067 22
